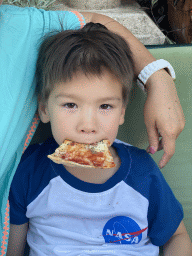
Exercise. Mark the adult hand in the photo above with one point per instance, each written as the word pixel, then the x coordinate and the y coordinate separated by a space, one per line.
pixel 163 115
pixel 162 112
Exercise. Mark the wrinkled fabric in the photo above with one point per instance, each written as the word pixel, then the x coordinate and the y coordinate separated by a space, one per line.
pixel 21 31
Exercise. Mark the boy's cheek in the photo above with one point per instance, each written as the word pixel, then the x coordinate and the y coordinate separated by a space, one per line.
pixel 61 131
pixel 111 130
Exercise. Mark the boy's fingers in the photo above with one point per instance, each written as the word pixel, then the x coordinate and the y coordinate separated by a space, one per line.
pixel 169 150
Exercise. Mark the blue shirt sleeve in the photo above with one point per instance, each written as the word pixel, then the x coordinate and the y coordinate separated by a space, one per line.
pixel 165 213
pixel 20 189
pixel 17 199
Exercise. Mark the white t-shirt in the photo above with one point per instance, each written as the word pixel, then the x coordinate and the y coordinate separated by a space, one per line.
pixel 133 213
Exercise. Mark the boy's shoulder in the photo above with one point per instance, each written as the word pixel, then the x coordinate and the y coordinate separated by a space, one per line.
pixel 128 146
pixel 39 149
pixel 138 156
pixel 139 166
pixel 34 171
pixel 36 155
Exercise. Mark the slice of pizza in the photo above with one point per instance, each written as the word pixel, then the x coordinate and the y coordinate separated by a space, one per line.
pixel 96 155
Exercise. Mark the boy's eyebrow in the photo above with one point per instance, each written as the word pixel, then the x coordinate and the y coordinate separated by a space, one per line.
pixel 76 97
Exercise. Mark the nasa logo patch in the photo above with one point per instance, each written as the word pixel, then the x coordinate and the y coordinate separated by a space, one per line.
pixel 122 230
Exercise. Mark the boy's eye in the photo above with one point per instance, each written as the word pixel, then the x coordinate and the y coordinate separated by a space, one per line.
pixel 106 106
pixel 73 106
pixel 69 105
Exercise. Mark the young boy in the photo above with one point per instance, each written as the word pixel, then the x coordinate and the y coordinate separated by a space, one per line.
pixel 84 79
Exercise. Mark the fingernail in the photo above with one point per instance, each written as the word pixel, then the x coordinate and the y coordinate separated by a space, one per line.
pixel 152 150
pixel 161 166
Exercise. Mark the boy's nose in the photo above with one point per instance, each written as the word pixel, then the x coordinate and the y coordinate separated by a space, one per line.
pixel 88 131
pixel 87 123
pixel 88 126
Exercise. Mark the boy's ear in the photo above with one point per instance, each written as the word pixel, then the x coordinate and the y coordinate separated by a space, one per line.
pixel 122 117
pixel 43 112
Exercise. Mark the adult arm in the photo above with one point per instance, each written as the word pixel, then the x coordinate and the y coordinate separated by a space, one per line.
pixel 17 239
pixel 179 243
pixel 163 113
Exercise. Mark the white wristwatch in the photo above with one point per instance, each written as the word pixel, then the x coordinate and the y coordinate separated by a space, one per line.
pixel 152 68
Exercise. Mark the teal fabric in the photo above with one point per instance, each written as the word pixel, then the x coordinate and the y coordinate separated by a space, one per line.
pixel 20 32
pixel 178 172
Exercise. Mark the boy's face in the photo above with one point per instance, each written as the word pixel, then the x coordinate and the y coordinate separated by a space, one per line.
pixel 85 110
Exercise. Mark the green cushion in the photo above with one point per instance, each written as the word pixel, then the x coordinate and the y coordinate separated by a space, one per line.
pixel 178 172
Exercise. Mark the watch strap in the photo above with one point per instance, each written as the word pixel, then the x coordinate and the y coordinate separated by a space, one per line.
pixel 151 68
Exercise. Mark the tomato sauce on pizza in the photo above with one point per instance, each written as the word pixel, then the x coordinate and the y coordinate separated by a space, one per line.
pixel 96 155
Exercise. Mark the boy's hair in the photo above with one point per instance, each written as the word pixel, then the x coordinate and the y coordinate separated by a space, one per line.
pixel 90 50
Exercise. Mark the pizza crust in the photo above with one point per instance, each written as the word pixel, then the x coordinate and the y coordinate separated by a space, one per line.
pixel 85 152
pixel 58 160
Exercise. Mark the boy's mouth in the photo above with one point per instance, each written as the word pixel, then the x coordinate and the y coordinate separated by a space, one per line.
pixel 90 143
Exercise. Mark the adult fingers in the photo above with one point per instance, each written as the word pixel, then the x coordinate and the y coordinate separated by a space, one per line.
pixel 168 144
pixel 153 138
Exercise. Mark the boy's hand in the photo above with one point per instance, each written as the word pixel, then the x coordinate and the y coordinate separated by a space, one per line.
pixel 163 115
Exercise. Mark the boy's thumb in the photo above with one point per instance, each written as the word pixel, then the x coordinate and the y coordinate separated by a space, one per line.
pixel 153 138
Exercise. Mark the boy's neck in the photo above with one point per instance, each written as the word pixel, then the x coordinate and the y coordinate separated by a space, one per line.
pixel 97 176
